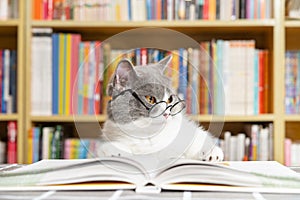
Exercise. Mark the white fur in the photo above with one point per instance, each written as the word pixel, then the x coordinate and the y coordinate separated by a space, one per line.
pixel 174 136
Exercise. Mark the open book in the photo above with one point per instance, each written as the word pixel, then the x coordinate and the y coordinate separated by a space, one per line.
pixel 110 173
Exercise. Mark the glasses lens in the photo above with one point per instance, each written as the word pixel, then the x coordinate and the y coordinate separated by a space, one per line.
pixel 157 109
pixel 177 107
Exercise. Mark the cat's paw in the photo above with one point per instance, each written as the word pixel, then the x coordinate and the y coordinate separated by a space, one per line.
pixel 215 155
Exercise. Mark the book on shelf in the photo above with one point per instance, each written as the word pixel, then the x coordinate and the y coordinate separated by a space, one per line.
pixel 8 81
pixel 142 10
pixel 292 8
pixel 9 9
pixel 11 142
pixel 291 152
pixel 292 82
pixel 204 77
pixel 8 143
pixel 177 174
pixel 255 144
pixel 46 142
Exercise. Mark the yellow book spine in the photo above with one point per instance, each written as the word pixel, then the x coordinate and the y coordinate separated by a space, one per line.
pixel 68 74
pixel 30 147
pixel 175 70
pixel 61 74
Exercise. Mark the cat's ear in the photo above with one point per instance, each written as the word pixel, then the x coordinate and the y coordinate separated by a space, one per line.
pixel 164 63
pixel 124 74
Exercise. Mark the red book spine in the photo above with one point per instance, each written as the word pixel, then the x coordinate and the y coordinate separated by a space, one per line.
pixel 205 9
pixel 12 142
pixel 45 9
pixel 97 94
pixel 266 81
pixel 261 82
pixel 158 10
pixel 76 38
pixel 50 10
pixel 144 56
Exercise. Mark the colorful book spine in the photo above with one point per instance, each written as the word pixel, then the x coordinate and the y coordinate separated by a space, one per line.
pixel 12 142
pixel 140 10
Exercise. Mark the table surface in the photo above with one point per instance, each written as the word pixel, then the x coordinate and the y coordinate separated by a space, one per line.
pixel 127 194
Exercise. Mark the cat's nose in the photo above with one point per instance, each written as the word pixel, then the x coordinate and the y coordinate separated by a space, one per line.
pixel 166 115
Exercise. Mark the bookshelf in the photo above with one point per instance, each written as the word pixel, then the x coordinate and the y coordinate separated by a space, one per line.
pixel 12 32
pixel 274 34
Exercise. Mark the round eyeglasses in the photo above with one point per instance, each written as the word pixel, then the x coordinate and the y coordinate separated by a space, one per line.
pixel 161 107
pixel 158 108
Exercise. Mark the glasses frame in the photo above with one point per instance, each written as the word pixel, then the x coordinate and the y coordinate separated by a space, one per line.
pixel 136 96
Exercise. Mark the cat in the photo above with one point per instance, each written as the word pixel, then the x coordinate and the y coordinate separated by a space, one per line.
pixel 146 117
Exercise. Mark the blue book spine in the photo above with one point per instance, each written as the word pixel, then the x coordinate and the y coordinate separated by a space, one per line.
pixel 183 82
pixel 13 80
pixel 138 56
pixel 4 80
pixel 129 10
pixel 55 63
pixel 252 9
pixel 36 145
pixel 256 87
pixel 149 9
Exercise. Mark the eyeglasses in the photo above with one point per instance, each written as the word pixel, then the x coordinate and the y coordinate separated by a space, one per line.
pixel 158 108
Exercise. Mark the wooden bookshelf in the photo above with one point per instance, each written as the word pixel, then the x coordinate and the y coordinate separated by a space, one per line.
pixel 12 34
pixel 274 34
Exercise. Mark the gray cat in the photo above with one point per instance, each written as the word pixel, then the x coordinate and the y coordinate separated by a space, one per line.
pixel 146 118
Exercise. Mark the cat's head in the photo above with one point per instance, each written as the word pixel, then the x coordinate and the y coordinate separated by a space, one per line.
pixel 134 91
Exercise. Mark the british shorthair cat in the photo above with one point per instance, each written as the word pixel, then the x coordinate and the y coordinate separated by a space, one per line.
pixel 146 117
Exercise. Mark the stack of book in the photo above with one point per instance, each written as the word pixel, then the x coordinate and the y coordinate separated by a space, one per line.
pixel 208 78
pixel 142 10
pixel 8 81
pixel 46 142
pixel 292 82
pixel 9 9
pixel 291 152
pixel 256 144
pixel 8 144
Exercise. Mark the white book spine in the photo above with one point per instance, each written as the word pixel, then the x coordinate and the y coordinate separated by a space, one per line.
pixel 250 49
pixel 233 148
pixel 227 136
pixel 45 142
pixel 240 150
pixel 4 9
pixel 264 145
pixel 170 10
pixel 294 154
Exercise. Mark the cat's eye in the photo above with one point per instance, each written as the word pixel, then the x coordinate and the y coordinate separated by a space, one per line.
pixel 170 99
pixel 150 99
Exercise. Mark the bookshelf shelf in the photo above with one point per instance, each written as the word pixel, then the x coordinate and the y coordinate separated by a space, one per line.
pixel 292 118
pixel 8 117
pixel 213 118
pixel 292 24
pixel 161 23
pixel 83 118
pixel 9 23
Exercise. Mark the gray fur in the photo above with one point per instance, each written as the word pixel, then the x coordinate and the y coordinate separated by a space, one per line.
pixel 144 80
